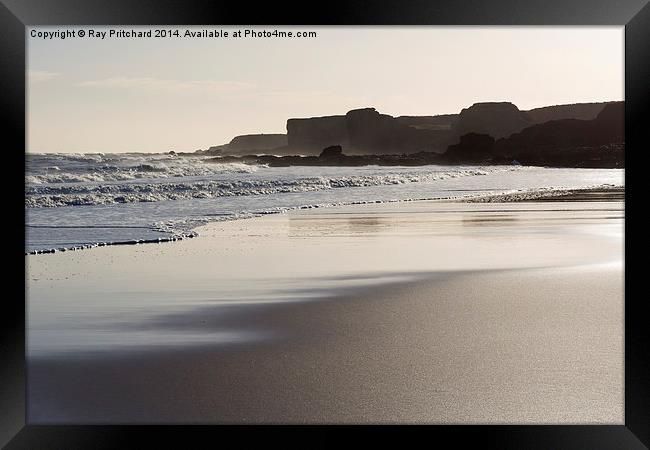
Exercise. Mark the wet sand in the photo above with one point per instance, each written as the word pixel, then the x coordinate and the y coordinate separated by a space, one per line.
pixel 422 312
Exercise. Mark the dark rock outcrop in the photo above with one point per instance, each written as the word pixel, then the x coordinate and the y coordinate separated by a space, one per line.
pixel 440 122
pixel 472 148
pixel 334 151
pixel 257 142
pixel 497 119
pixel 214 150
pixel 363 131
pixel 570 142
pixel 583 111
pixel 248 143
pixel 310 135
pixel 367 132
pixel 610 123
pixel 370 132
pixel 333 156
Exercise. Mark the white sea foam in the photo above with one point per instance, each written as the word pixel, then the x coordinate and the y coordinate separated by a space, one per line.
pixel 153 170
pixel 71 194
pixel 81 200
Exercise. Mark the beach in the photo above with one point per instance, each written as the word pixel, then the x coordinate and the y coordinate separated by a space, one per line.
pixel 406 312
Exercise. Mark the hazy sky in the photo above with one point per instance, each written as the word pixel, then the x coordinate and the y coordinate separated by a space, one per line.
pixel 161 94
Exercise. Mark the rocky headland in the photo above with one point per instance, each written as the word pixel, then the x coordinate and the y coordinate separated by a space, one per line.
pixel 599 142
pixel 577 135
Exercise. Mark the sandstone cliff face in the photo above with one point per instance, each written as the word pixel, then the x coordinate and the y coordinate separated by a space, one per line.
pixel 570 142
pixel 362 131
pixel 248 144
pixel 378 133
pixel 497 119
pixel 472 148
pixel 311 135
pixel 610 122
pixel 583 111
pixel 256 142
pixel 440 122
pixel 366 131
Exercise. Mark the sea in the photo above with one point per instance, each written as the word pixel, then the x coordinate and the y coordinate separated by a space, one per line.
pixel 77 201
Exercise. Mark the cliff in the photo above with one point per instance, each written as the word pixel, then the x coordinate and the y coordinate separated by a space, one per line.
pixel 257 142
pixel 363 131
pixel 247 144
pixel 583 111
pixel 497 119
pixel 472 148
pixel 312 134
pixel 366 131
pixel 372 132
pixel 599 142
pixel 440 122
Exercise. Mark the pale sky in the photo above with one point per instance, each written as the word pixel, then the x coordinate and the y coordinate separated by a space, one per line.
pixel 161 94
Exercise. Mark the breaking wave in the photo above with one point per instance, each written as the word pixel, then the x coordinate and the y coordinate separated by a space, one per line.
pixel 59 169
pixel 71 193
pixel 78 201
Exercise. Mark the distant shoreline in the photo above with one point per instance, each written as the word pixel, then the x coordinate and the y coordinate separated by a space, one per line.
pixel 410 160
pixel 586 135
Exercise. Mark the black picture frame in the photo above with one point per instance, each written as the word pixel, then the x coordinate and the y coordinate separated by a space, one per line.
pixel 15 15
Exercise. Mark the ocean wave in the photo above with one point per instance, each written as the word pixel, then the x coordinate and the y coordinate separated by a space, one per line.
pixel 542 193
pixel 53 195
pixel 180 229
pixel 110 173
